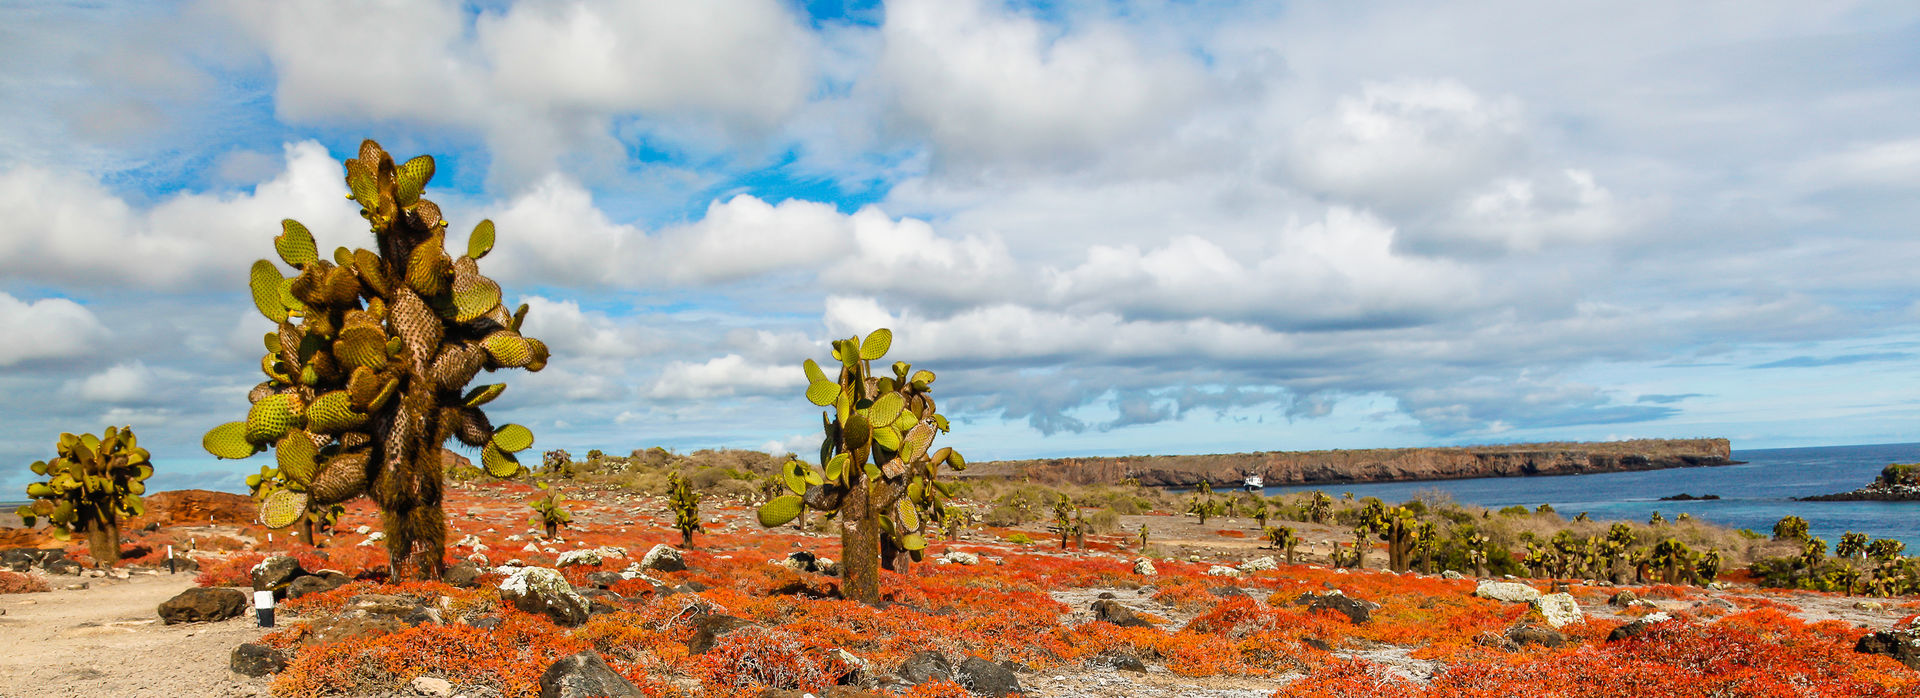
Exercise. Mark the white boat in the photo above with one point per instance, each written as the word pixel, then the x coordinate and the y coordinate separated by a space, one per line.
pixel 1253 483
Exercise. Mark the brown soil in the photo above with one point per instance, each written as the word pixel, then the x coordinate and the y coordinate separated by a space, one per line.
pixel 108 641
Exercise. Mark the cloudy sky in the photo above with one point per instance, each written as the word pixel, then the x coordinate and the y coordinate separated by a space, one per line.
pixel 1110 227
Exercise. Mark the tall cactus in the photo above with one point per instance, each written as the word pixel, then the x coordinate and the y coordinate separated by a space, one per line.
pixel 550 511
pixel 367 372
pixel 93 483
pixel 878 458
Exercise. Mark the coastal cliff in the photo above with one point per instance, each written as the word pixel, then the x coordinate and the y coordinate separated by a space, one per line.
pixel 1372 465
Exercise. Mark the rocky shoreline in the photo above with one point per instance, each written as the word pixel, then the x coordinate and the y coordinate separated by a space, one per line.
pixel 1371 465
pixel 1872 493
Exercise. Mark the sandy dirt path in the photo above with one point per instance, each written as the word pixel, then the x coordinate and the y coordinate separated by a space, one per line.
pixel 108 641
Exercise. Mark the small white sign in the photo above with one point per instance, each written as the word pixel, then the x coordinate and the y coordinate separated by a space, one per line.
pixel 263 600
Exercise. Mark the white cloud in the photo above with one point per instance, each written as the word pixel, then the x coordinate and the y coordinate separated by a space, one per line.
pixel 989 86
pixel 67 228
pixel 722 377
pixel 1527 214
pixel 1407 142
pixel 49 328
pixel 131 381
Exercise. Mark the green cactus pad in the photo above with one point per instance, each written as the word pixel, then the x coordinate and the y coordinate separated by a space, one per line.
pixel 225 441
pixel 508 349
pixel 411 179
pixel 295 244
pixel 814 374
pixel 918 440
pixel 295 455
pixel 909 517
pixel 822 392
pixel 887 437
pixel 513 438
pixel 333 412
pixel 780 510
pixel 264 281
pixel 905 421
pixel 283 508
pixel 498 463
pixel 858 431
pixel 913 541
pixel 340 479
pixel 270 418
pixel 483 394
pixel 427 269
pixel 481 241
pixel 473 295
pixel 886 409
pixel 877 344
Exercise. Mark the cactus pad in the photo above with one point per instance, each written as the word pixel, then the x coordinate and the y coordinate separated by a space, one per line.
pixel 513 438
pixel 266 286
pixel 780 510
pixel 480 242
pixel 270 418
pixel 295 244
pixel 283 508
pixel 227 441
pixel 497 462
pixel 333 413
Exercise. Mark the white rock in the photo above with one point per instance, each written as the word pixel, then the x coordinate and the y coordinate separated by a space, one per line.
pixel 1144 567
pixel 961 558
pixel 1559 609
pixel 1258 564
pixel 1223 571
pixel 578 557
pixel 468 541
pixel 1656 617
pixel 531 548
pixel 663 557
pixel 431 686
pixel 363 530
pixel 477 558
pixel 612 551
pixel 516 538
pixel 1511 592
pixel 1450 574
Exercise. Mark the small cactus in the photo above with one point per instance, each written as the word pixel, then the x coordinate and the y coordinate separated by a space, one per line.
pixel 550 511
pixel 879 470
pixel 93 483
pixel 1791 528
pixel 368 368
pixel 1283 538
pixel 686 507
pixel 1319 507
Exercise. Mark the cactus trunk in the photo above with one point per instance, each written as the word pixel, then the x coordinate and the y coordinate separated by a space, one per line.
pixel 686 539
pixel 103 542
pixel 553 529
pixel 860 546
pixel 304 529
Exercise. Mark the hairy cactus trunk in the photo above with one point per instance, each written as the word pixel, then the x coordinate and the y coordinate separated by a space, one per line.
pixel 103 542
pixel 304 530
pixel 686 539
pixel 860 546
pixel 553 529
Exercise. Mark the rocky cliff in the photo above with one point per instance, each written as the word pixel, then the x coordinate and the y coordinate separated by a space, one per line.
pixel 1372 465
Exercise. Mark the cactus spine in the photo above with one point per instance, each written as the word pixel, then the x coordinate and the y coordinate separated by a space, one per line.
pixel 91 484
pixel 367 371
pixel 686 507
pixel 880 468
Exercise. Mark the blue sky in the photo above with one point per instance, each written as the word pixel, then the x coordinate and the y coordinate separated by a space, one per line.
pixel 1111 227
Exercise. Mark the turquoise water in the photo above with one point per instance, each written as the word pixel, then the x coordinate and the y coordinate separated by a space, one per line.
pixel 1753 495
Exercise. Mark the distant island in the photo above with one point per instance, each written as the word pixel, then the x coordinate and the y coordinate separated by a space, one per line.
pixel 1684 497
pixel 1275 468
pixel 1899 482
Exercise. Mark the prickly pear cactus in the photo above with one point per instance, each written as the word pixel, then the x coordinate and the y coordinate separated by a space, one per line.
pixel 367 372
pixel 686 507
pixel 550 511
pixel 880 471
pixel 92 484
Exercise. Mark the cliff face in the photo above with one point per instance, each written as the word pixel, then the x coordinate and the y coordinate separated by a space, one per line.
pixel 1373 465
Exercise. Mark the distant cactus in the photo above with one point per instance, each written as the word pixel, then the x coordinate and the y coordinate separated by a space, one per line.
pixel 1477 546
pixel 1144 533
pixel 1656 519
pixel 367 372
pixel 1885 549
pixel 880 471
pixel 686 507
pixel 1673 559
pixel 550 512
pixel 1791 528
pixel 1283 538
pixel 556 462
pixel 1852 545
pixel 93 483
pixel 1709 567
pixel 1319 507
pixel 1397 527
pixel 1063 512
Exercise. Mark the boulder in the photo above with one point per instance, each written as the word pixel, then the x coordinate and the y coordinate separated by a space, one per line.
pixel 315 583
pixel 585 675
pixel 986 678
pixel 542 590
pixel 464 574
pixel 431 686
pixel 1636 627
pixel 664 558
pixel 707 630
pixel 1625 598
pixel 1902 645
pixel 1144 567
pixel 256 660
pixel 1356 610
pixel 405 609
pixel 204 605
pixel 1223 571
pixel 1122 661
pixel 958 557
pixel 1529 634
pixel 26 559
pixel 587 556
pixel 1450 574
pixel 1118 614
pixel 601 601
pixel 1559 609
pixel 926 667
pixel 275 573
pixel 1510 592
pixel 1259 564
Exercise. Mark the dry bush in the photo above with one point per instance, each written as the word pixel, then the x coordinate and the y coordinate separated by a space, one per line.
pixel 22 583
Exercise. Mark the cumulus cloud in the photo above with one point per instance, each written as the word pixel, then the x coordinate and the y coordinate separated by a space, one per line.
pixel 125 382
pixel 1408 142
pixel 724 376
pixel 49 328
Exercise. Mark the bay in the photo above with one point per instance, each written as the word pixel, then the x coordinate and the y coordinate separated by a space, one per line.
pixel 1753 495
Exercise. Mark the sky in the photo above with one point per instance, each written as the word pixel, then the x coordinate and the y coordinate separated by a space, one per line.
pixel 1109 227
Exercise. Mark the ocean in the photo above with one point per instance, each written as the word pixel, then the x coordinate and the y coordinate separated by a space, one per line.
pixel 1753 495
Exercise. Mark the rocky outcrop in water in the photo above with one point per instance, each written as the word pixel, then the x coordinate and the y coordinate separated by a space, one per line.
pixel 1897 483
pixel 1372 465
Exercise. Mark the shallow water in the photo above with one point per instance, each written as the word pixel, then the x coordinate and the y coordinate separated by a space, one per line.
pixel 1753 495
